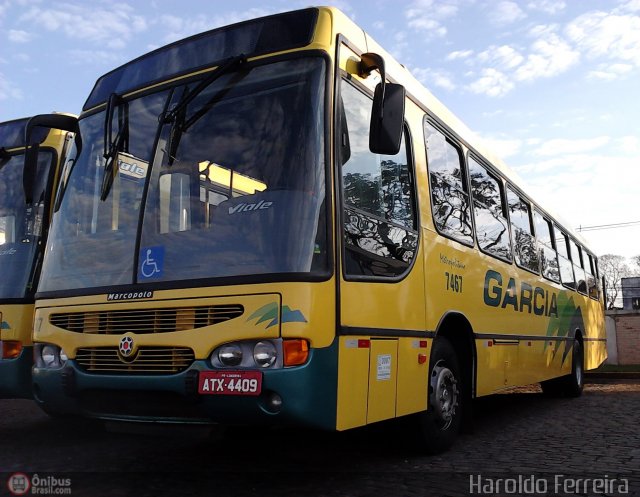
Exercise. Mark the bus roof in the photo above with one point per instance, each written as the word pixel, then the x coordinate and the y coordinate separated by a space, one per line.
pixel 280 32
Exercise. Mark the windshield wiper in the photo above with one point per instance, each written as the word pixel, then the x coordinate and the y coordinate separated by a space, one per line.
pixel 178 114
pixel 114 145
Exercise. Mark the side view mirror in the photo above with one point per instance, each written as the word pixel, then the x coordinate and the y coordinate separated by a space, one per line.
pixel 53 121
pixel 387 115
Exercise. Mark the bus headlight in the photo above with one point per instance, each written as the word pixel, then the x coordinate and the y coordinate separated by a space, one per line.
pixel 265 354
pixel 230 354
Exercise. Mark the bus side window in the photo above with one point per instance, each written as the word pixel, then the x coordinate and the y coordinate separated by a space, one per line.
pixel 566 268
pixel 578 267
pixel 592 286
pixel 380 223
pixel 546 250
pixel 492 227
pixel 524 244
pixel 449 195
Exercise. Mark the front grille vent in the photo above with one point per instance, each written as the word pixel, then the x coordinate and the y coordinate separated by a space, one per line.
pixel 139 321
pixel 147 360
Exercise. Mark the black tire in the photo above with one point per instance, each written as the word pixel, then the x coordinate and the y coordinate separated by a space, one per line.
pixel 440 424
pixel 572 384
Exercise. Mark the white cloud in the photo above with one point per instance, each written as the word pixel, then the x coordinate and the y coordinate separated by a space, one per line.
pixel 434 78
pixel 113 26
pixel 629 6
pixel 18 36
pixel 503 147
pixel 506 13
pixel 100 57
pixel 549 57
pixel 610 72
pixel 630 145
pixel 427 16
pixel 8 90
pixel 459 55
pixel 562 146
pixel 492 83
pixel 550 7
pixel 378 25
pixel 21 57
pixel 599 34
pixel 505 57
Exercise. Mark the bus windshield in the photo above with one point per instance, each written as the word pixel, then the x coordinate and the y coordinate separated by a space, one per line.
pixel 21 225
pixel 233 185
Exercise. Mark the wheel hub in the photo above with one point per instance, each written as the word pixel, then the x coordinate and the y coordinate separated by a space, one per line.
pixel 444 394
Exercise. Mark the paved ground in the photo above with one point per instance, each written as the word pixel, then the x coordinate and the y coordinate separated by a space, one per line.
pixel 596 436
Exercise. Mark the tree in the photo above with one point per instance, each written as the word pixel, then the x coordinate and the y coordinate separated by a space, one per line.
pixel 636 260
pixel 613 268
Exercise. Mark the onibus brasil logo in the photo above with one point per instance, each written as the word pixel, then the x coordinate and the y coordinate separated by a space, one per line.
pixel 21 484
pixel 18 484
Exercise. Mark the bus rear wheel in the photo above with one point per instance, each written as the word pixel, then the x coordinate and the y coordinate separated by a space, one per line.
pixel 440 424
pixel 573 384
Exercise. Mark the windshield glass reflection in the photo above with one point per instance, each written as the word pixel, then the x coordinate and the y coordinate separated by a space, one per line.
pixel 21 225
pixel 245 190
pixel 239 191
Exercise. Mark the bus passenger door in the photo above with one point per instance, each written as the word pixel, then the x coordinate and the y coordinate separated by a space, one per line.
pixel 382 362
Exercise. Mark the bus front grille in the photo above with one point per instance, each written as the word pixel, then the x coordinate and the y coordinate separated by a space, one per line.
pixel 162 320
pixel 147 360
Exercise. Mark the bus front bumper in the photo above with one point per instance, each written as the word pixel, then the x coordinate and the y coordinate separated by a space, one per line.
pixel 298 395
pixel 15 376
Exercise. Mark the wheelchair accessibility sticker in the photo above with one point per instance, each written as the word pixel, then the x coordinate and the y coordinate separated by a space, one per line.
pixel 151 263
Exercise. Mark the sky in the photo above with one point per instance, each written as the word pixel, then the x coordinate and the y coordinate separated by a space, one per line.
pixel 550 85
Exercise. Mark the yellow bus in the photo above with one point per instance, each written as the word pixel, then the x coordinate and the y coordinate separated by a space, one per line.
pixel 275 222
pixel 25 207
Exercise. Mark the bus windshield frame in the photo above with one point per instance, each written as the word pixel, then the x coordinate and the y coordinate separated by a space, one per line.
pixel 296 235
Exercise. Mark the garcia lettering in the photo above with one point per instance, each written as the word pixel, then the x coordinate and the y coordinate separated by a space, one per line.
pixel 518 297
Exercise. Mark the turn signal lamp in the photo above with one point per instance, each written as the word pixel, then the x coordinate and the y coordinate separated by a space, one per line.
pixel 296 352
pixel 10 349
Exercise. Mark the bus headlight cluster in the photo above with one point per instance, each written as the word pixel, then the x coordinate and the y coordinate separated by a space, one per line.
pixel 49 356
pixel 261 354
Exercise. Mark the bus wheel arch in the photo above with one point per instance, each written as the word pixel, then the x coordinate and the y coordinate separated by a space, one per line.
pixel 572 384
pixel 450 384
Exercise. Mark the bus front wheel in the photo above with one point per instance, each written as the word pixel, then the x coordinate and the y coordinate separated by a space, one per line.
pixel 440 424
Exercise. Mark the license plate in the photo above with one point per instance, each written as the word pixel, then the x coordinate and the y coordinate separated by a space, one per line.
pixel 230 382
